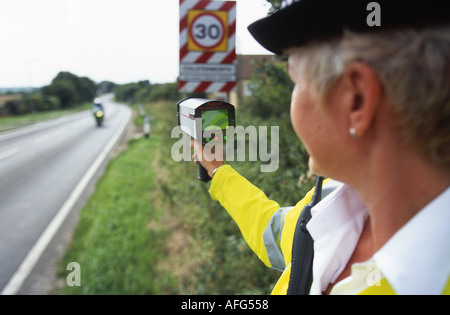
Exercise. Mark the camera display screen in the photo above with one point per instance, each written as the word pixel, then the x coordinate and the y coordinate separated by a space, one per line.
pixel 211 119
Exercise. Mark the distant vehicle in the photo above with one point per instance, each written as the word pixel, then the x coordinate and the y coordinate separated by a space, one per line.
pixel 98 111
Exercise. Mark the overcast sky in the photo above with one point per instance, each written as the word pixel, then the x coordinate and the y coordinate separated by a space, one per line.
pixel 116 40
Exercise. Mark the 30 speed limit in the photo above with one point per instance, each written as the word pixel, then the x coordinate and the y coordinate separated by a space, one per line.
pixel 207 30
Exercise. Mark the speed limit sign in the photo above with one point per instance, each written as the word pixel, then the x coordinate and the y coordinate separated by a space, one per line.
pixel 208 30
pixel 208 60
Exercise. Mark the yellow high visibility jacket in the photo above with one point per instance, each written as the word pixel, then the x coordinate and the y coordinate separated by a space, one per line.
pixel 268 228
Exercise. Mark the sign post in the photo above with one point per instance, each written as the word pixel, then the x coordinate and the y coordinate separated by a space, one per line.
pixel 207 46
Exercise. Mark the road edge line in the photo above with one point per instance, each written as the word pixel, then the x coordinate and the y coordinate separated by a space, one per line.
pixel 16 282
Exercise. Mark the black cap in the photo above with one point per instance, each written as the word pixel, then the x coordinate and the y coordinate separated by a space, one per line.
pixel 300 21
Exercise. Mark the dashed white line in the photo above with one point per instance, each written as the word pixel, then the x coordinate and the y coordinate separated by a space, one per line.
pixel 10 152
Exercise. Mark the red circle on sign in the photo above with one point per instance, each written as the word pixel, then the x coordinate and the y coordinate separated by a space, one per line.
pixel 206 31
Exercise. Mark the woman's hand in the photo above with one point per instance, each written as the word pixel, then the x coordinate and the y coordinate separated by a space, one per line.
pixel 209 156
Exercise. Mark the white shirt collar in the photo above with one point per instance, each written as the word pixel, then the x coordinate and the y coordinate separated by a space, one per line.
pixel 335 226
pixel 415 260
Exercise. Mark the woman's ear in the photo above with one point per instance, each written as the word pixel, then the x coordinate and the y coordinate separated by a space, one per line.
pixel 365 91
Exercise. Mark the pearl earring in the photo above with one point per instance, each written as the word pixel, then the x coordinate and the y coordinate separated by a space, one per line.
pixel 352 131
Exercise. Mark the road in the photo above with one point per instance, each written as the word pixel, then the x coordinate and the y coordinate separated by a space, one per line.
pixel 40 168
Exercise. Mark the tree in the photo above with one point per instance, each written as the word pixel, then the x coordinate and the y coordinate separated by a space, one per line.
pixel 71 89
pixel 125 92
pixel 85 87
pixel 271 92
pixel 106 86
pixel 64 91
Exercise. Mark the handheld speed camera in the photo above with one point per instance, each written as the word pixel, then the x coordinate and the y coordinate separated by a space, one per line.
pixel 202 119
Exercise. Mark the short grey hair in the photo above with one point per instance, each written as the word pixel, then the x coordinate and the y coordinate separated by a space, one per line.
pixel 414 68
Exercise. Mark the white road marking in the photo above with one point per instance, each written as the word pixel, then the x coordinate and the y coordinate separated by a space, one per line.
pixel 27 265
pixel 10 152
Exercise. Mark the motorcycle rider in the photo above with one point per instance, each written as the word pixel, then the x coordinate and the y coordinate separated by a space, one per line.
pixel 98 111
pixel 97 105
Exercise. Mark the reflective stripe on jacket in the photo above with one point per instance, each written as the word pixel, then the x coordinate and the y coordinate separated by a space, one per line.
pixel 268 228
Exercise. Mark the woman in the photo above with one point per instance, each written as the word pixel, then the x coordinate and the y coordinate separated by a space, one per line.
pixel 372 108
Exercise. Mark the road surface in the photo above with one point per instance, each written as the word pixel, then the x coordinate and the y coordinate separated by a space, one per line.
pixel 40 167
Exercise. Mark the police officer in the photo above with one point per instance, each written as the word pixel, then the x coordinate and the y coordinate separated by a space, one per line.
pixel 371 104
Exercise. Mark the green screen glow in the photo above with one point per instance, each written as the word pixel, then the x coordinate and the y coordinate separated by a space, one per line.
pixel 211 119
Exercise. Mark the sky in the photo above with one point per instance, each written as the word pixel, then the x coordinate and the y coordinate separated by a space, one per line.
pixel 115 40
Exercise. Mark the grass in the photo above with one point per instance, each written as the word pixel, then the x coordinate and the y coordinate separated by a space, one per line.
pixel 119 240
pixel 152 228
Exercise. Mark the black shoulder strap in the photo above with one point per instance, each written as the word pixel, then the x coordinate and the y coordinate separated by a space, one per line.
pixel 302 248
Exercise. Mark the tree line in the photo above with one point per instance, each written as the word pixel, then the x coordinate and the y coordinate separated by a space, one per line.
pixel 144 92
pixel 65 91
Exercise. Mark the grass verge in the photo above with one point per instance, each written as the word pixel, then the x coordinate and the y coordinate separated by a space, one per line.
pixel 119 240
pixel 152 228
